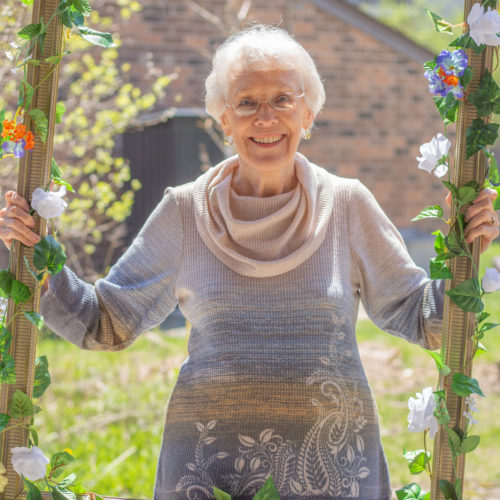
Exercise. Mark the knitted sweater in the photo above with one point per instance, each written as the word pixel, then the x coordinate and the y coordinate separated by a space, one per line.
pixel 273 383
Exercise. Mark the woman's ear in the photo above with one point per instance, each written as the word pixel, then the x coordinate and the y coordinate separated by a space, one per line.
pixel 225 124
pixel 308 120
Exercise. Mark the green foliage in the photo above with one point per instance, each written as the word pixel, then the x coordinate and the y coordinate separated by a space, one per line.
pixel 20 293
pixel 440 364
pixel 7 369
pixel 479 135
pixel 268 491
pixel 4 421
pixel 418 460
pixel 412 492
pixel 42 376
pixel 440 25
pixel 96 37
pixel 58 462
pixel 467 295
pixel 462 385
pixel 486 99
pixel 220 495
pixel 40 122
pixel 6 278
pixel 447 489
pixel 33 491
pixel 466 42
pixel 447 107
pixel 434 211
pixel 25 94
pixel 35 318
pixel 49 255
pixel 441 411
pixel 21 405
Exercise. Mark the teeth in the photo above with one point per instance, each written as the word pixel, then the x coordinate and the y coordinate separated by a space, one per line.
pixel 267 140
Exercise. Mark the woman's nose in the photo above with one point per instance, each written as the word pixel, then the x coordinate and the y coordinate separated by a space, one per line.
pixel 265 114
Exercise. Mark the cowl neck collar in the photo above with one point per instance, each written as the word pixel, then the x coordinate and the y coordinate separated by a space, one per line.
pixel 263 236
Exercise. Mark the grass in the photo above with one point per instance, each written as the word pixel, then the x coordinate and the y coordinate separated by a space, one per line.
pixel 109 407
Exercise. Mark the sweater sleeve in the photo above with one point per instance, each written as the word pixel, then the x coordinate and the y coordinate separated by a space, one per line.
pixel 396 294
pixel 137 294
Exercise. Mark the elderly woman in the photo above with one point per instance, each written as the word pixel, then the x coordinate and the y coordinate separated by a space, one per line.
pixel 267 256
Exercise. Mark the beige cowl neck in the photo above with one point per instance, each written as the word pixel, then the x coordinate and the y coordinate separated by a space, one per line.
pixel 262 237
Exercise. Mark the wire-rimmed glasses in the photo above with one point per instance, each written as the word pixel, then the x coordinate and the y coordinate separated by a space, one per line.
pixel 247 106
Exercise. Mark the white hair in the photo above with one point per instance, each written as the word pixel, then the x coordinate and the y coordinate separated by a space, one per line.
pixel 261 48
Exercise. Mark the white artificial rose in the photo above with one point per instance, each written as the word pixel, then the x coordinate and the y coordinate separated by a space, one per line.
pixel 484 25
pixel 49 204
pixel 432 152
pixel 421 414
pixel 29 462
pixel 491 280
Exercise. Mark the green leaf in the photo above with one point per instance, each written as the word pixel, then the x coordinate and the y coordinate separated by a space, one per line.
pixel 417 460
pixel 440 25
pixel 96 37
pixel 480 134
pixel 4 421
pixel 488 326
pixel 60 110
pixel 59 461
pixel 7 369
pixel 49 255
pixel 42 376
pixel 61 493
pixel 467 76
pixel 20 293
pixel 220 495
pixel 493 173
pixel 439 245
pixel 56 177
pixel 440 364
pixel 34 435
pixel 439 270
pixel 447 490
pixel 55 170
pixel 82 6
pixel 38 277
pixel 454 243
pixel 2 118
pixel 33 491
pixel 486 99
pixel 470 443
pixel 6 278
pixel 70 16
pixel 35 318
pixel 441 411
pixel 467 296
pixel 455 441
pixel 467 42
pixel 462 385
pixel 40 122
pixel 468 192
pixel 447 107
pixel 483 316
pixel 452 188
pixel 489 3
pixel 429 212
pixel 268 491
pixel 68 481
pixel 5 339
pixel 30 31
pixel 411 492
pixel 21 405
pixel 80 490
pixel 26 92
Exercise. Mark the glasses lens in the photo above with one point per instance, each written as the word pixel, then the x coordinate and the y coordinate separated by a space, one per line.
pixel 284 102
pixel 246 106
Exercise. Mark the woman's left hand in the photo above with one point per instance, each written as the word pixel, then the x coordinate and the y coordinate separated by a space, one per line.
pixel 481 219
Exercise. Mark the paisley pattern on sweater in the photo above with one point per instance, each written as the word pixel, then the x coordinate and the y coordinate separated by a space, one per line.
pixel 330 461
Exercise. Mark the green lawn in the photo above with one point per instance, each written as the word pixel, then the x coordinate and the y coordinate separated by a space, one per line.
pixel 109 407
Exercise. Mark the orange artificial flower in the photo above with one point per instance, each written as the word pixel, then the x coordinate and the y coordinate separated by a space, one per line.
pixel 30 141
pixel 19 132
pixel 8 128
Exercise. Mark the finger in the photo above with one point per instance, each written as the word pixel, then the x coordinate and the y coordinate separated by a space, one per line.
pixel 477 208
pixel 486 194
pixel 486 232
pixel 16 199
pixel 448 199
pixel 15 212
pixel 14 229
pixel 483 218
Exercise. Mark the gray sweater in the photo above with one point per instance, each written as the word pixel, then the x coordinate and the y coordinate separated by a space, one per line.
pixel 273 383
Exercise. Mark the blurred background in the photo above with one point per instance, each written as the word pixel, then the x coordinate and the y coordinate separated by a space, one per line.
pixel 135 124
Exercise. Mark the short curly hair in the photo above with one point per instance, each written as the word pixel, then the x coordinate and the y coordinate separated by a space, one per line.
pixel 260 48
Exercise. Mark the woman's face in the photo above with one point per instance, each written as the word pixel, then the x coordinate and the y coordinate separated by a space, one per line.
pixel 268 139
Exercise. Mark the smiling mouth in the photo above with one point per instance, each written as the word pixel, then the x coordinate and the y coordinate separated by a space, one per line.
pixel 270 139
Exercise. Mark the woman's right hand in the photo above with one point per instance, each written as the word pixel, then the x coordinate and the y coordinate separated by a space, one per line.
pixel 16 222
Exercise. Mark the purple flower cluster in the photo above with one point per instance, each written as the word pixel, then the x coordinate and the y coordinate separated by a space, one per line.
pixel 445 76
pixel 15 148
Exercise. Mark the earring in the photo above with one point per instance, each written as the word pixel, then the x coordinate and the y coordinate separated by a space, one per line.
pixel 228 140
pixel 306 135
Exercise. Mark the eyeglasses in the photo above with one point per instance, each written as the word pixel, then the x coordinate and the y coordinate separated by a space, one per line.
pixel 247 106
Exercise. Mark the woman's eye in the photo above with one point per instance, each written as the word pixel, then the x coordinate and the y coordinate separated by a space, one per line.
pixel 283 99
pixel 247 102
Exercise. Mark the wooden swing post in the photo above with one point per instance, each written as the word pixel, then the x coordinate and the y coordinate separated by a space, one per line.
pixel 34 172
pixel 458 325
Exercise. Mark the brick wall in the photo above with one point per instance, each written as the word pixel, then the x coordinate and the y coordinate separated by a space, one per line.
pixel 378 110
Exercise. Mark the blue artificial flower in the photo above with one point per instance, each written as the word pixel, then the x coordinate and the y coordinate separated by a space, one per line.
pixel 436 85
pixel 8 147
pixel 15 148
pixel 453 63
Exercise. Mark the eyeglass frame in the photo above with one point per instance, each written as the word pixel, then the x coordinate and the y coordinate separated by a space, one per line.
pixel 270 102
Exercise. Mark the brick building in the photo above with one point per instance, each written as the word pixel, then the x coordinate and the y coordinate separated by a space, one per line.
pixel 377 113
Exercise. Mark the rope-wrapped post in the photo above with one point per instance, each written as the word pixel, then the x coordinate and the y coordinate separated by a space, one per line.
pixel 34 172
pixel 458 325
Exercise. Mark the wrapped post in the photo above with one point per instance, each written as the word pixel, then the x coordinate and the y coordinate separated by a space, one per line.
pixel 34 172
pixel 458 325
